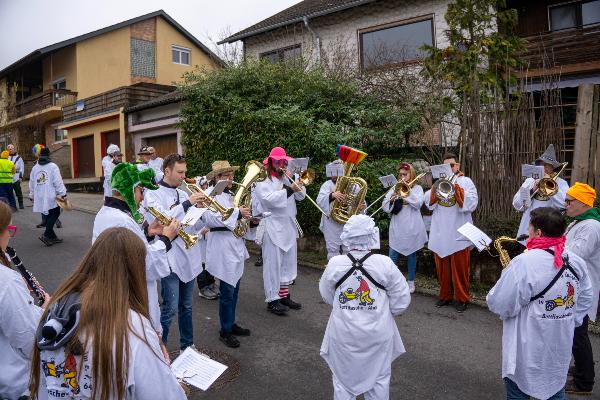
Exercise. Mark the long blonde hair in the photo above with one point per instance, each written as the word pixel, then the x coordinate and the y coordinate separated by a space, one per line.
pixel 5 218
pixel 111 280
pixel 411 170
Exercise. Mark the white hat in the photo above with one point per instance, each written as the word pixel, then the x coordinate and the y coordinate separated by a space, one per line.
pixel 360 233
pixel 112 149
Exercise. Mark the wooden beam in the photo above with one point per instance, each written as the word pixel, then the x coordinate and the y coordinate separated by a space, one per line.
pixel 583 131
pixel 595 142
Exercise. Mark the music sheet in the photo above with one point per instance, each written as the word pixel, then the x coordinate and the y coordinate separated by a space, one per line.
pixel 334 169
pixel 532 171
pixel 192 216
pixel 197 369
pixel 388 181
pixel 441 171
pixel 475 236
pixel 297 165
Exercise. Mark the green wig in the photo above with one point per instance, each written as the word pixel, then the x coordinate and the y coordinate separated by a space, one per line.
pixel 125 177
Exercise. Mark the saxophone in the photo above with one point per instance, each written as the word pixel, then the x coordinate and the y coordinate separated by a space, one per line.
pixel 502 252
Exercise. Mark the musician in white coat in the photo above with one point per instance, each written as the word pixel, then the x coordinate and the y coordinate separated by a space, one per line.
pixel 16 159
pixel 407 229
pixel 177 288
pixel 550 164
pixel 115 156
pixel 583 239
pixel 362 339
pixel 452 257
pixel 155 162
pixel 226 254
pixel 327 195
pixel 277 195
pixel 143 162
pixel 541 297
pixel 121 210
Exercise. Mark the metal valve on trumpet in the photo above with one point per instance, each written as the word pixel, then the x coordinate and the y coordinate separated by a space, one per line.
pixel 188 238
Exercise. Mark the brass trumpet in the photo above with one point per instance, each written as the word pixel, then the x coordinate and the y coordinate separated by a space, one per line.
pixel 306 177
pixel 209 203
pixel 188 238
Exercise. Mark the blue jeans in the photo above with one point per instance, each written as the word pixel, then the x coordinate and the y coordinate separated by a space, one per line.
pixel 6 191
pixel 227 304
pixel 177 296
pixel 411 260
pixel 514 393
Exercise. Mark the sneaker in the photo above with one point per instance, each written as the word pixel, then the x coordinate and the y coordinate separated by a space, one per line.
pixel 207 293
pixel 286 301
pixel 461 307
pixel 239 331
pixel 572 388
pixel 259 262
pixel 277 308
pixel 21 207
pixel 411 286
pixel 442 303
pixel 56 240
pixel 40 226
pixel 46 241
pixel 229 340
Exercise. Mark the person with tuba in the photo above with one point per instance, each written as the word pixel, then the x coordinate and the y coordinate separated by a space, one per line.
pixel 327 195
pixel 537 199
pixel 226 253
pixel 583 239
pixel 277 195
pixel 452 202
pixel 121 210
pixel 177 288
pixel 541 297
pixel 407 229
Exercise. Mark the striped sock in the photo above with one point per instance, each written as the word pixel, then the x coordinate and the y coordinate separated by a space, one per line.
pixel 284 291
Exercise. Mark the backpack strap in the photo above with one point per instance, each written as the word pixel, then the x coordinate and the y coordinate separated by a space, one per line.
pixel 566 266
pixel 358 265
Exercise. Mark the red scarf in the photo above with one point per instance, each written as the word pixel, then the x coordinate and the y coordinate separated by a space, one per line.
pixel 545 242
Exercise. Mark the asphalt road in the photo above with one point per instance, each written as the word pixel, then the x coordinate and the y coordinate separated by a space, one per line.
pixel 449 355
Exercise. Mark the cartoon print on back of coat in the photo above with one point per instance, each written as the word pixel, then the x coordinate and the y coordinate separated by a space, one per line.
pixel 63 377
pixel 559 302
pixel 362 293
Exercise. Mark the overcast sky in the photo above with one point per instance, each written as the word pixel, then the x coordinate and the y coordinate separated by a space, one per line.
pixel 27 25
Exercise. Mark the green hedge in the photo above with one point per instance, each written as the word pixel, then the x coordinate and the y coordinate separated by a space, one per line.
pixel 240 113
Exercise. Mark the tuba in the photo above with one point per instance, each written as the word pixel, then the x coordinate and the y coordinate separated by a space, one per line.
pixel 188 238
pixel 255 172
pixel 547 186
pixel 353 188
pixel 209 203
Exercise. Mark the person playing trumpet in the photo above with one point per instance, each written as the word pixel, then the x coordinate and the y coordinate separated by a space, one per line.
pixel 551 165
pixel 407 229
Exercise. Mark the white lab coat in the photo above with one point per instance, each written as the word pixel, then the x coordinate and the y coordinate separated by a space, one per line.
pixel 557 201
pixel 19 167
pixel 157 265
pixel 279 241
pixel 108 168
pixel 148 374
pixel 183 262
pixel 583 239
pixel 45 183
pixel 361 342
pixel 446 220
pixel 538 335
pixel 158 175
pixel 18 322
pixel 331 229
pixel 407 229
pixel 225 253
pixel 156 165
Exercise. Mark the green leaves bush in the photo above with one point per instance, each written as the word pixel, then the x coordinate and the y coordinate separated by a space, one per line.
pixel 240 113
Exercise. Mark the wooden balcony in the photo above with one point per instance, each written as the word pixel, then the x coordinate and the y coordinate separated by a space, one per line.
pixel 42 101
pixel 563 52
pixel 113 100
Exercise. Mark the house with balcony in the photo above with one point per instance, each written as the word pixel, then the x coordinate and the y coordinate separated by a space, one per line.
pixel 71 95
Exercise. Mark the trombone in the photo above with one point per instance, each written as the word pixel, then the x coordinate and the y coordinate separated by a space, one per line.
pixel 401 189
pixel 210 203
pixel 306 177
pixel 547 186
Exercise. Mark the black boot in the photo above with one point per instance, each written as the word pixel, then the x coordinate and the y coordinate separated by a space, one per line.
pixel 239 331
pixel 286 301
pixel 259 262
pixel 229 340
pixel 277 308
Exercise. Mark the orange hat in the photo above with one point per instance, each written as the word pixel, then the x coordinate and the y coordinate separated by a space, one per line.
pixel 583 192
pixel 4 154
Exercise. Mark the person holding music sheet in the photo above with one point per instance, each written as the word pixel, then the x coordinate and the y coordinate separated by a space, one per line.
pixel 177 288
pixel 121 210
pixel 541 296
pixel 583 239
pixel 452 257
pixel 549 162
pixel 407 229
pixel 92 345
pixel 327 194
pixel 366 291
pixel 278 195
pixel 18 319
pixel 45 184
pixel 226 254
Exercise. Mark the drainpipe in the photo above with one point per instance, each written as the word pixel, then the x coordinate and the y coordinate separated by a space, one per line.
pixel 317 39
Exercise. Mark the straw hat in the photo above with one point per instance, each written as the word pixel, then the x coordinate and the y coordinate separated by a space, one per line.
pixel 221 167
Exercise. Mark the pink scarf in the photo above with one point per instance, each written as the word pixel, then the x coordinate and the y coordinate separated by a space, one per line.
pixel 545 242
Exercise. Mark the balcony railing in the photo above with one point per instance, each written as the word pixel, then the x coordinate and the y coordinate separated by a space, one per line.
pixel 43 100
pixel 560 48
pixel 113 100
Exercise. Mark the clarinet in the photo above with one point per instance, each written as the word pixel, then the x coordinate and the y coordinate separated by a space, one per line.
pixel 39 294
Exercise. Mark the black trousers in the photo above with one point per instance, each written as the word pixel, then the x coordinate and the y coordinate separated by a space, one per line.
pixel 53 215
pixel 18 192
pixel 583 376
